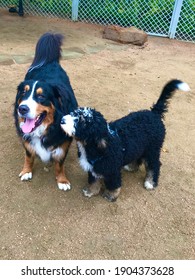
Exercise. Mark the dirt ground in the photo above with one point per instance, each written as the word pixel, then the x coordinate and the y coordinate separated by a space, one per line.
pixel 37 220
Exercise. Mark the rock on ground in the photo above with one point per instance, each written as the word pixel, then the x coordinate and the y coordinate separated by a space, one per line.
pixel 130 35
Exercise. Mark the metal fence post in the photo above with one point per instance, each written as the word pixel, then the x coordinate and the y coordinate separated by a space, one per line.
pixel 75 9
pixel 175 18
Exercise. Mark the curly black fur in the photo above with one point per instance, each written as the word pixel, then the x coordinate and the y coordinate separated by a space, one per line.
pixel 104 148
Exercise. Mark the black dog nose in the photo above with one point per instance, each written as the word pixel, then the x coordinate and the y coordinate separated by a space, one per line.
pixel 63 121
pixel 23 109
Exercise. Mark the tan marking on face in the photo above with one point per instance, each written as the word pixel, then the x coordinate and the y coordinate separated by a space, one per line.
pixel 39 91
pixel 27 88
pixel 20 119
pixel 50 113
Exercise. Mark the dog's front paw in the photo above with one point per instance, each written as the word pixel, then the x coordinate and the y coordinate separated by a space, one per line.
pixel 111 195
pixel 92 189
pixel 87 192
pixel 25 176
pixel 108 196
pixel 64 186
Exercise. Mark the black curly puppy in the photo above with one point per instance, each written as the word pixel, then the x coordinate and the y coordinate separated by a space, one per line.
pixel 104 148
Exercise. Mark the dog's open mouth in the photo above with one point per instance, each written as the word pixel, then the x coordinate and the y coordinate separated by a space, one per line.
pixel 31 124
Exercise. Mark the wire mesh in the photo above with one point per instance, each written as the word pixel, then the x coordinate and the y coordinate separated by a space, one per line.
pixel 48 8
pixel 186 25
pixel 152 16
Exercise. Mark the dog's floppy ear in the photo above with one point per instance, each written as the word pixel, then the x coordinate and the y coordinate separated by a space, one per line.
pixel 57 97
pixel 100 130
pixel 66 98
pixel 20 87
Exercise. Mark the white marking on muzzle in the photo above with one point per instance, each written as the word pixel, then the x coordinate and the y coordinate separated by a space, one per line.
pixel 31 103
pixel 68 125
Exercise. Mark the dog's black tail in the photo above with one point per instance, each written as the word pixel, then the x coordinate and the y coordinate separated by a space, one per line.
pixel 161 105
pixel 48 49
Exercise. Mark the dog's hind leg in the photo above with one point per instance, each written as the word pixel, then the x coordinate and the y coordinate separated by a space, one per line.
pixel 94 186
pixel 26 173
pixel 152 165
pixel 133 166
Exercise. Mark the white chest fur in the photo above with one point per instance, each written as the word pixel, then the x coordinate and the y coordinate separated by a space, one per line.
pixel 44 154
pixel 83 158
pixel 84 162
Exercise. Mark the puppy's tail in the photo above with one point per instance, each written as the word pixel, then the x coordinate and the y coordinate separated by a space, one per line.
pixel 48 49
pixel 161 105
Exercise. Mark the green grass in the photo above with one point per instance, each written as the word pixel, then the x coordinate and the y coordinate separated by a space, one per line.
pixel 55 7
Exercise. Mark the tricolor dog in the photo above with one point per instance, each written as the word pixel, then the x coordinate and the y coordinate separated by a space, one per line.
pixel 42 99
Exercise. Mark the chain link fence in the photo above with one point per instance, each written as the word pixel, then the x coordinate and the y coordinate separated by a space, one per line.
pixel 186 25
pixel 151 16
pixel 169 18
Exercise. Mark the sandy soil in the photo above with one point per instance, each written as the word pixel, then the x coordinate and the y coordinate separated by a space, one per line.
pixel 37 220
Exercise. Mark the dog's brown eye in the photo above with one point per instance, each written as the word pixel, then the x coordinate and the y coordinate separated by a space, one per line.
pixel 41 97
pixel 21 93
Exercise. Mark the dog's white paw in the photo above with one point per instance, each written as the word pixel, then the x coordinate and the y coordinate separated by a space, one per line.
pixel 148 185
pixel 87 193
pixel 64 187
pixel 26 176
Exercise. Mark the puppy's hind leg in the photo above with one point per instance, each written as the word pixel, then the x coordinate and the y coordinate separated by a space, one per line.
pixel 26 173
pixel 133 166
pixel 152 165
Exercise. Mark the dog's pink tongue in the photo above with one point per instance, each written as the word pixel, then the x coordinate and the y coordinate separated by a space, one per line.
pixel 28 126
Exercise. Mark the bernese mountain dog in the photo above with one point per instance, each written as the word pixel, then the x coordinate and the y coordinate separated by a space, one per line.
pixel 42 99
pixel 104 148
